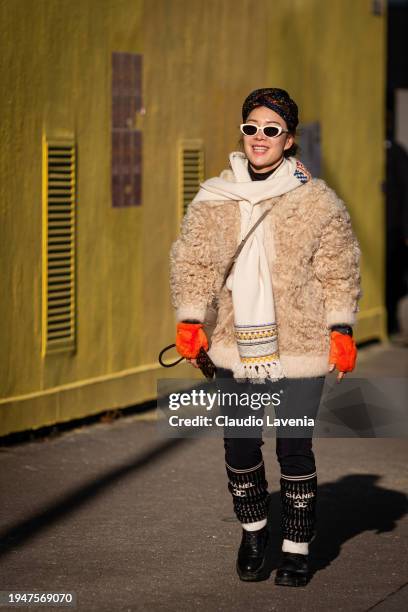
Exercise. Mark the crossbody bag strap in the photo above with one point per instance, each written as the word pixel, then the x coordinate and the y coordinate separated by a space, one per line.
pixel 241 246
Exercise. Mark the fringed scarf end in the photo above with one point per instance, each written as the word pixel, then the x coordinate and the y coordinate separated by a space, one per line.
pixel 258 373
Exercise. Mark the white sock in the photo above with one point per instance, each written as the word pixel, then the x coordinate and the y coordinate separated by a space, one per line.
pixel 295 547
pixel 254 526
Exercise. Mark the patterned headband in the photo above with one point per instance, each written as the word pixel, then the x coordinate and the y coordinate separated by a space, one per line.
pixel 277 100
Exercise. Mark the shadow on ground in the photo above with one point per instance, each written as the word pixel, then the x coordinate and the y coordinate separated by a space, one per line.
pixel 19 533
pixel 345 508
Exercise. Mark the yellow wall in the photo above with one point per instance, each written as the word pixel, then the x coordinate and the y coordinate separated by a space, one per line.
pixel 56 79
pixel 334 66
pixel 200 59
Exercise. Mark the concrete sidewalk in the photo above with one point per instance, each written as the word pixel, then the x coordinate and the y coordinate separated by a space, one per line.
pixel 129 520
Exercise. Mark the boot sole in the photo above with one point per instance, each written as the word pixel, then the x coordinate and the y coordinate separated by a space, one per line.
pixel 294 581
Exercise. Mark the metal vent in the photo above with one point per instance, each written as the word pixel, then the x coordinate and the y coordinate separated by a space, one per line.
pixel 59 246
pixel 191 171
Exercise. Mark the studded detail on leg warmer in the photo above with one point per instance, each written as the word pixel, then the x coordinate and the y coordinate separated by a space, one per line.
pixel 298 494
pixel 249 490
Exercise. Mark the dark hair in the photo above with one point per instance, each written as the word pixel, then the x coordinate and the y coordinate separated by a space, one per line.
pixel 292 151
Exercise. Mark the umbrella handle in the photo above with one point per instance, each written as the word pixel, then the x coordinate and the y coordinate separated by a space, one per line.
pixel 168 365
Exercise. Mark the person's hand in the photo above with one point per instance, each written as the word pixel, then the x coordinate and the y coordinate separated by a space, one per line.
pixel 193 363
pixel 190 339
pixel 343 353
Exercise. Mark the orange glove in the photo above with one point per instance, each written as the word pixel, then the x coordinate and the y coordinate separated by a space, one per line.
pixel 343 352
pixel 190 338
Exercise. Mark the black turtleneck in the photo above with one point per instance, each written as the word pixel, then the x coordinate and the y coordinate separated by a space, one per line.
pixel 260 176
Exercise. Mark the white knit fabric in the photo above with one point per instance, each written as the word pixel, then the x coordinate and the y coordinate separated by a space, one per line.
pixel 301 548
pixel 254 526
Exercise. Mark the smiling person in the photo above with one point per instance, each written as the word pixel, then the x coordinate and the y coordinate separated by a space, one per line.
pixel 286 307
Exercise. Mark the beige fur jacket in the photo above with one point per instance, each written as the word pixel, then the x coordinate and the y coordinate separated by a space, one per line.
pixel 313 257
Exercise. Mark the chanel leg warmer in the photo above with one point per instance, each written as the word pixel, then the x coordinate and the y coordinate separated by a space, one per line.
pixel 249 490
pixel 298 494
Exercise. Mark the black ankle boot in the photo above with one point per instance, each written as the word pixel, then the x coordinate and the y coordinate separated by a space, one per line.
pixel 252 562
pixel 293 570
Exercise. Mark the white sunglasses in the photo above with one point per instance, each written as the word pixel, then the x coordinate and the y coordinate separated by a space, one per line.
pixel 270 131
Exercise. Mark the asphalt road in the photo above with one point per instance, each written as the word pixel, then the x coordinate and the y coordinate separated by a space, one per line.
pixel 129 520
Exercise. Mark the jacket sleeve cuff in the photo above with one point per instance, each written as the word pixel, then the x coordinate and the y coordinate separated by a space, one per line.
pixel 340 317
pixel 191 312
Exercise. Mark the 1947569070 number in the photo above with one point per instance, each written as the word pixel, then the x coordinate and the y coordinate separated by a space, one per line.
pixel 20 598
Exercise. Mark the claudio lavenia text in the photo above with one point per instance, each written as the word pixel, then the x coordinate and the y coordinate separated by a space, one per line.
pixel 249 421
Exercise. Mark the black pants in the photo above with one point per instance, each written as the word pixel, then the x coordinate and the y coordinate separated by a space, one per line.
pixel 294 454
pixel 246 470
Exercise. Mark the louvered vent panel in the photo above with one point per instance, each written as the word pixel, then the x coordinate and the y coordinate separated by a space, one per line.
pixel 191 171
pixel 59 246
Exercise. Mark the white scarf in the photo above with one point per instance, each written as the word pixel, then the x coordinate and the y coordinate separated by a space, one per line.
pixel 250 279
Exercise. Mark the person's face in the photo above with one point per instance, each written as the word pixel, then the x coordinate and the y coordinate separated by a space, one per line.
pixel 265 153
